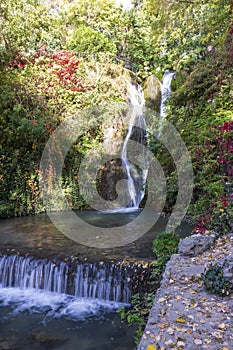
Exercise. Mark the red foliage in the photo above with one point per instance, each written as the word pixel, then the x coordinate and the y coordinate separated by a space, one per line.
pixel 202 224
pixel 224 202
pixel 221 149
pixel 224 142
pixel 68 65
pixel 227 126
pixel 18 61
pixel 65 65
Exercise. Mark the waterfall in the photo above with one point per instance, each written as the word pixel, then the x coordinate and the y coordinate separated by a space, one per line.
pixel 136 181
pixel 102 281
pixel 165 91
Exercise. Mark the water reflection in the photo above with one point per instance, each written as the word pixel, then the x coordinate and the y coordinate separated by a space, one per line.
pixel 38 236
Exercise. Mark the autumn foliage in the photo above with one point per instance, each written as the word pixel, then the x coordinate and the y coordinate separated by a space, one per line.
pixel 64 65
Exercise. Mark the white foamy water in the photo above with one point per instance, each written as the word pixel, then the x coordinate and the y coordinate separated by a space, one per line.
pixel 52 304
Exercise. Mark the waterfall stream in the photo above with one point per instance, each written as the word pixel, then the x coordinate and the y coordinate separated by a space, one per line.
pixel 165 91
pixel 136 180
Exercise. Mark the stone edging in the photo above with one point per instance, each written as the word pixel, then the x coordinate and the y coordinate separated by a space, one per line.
pixel 184 315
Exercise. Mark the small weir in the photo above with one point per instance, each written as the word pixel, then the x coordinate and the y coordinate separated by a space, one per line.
pixel 101 281
pixel 66 304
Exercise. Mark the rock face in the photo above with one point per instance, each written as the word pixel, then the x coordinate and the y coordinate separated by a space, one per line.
pixel 195 244
pixel 152 92
pixel 228 267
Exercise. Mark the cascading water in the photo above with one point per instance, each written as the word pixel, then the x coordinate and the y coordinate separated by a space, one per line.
pixel 165 91
pixel 63 304
pixel 102 281
pixel 136 181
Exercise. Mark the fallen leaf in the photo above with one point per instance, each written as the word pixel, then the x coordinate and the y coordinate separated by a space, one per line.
pixel 161 300
pixel 217 335
pixel 180 344
pixel 163 325
pixel 180 320
pixel 170 331
pixel 222 326
pixel 151 347
pixel 198 341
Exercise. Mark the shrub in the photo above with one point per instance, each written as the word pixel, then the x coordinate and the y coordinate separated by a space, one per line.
pixel 215 281
pixel 165 244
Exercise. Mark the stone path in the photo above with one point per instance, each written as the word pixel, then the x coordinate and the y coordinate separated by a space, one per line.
pixel 184 315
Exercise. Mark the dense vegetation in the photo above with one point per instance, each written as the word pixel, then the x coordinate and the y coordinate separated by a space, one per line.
pixel 43 82
pixel 59 58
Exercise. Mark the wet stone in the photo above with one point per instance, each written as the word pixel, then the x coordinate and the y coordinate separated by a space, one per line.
pixel 47 338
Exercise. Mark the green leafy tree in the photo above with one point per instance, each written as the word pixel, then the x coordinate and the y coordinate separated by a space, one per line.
pixel 86 39
pixel 184 31
pixel 100 16
pixel 24 25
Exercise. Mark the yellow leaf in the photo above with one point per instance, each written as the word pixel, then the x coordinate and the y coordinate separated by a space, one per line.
pixel 208 341
pixel 180 320
pixel 192 291
pixel 151 347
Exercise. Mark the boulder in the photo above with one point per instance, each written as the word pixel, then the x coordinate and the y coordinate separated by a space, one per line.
pixel 195 244
pixel 152 92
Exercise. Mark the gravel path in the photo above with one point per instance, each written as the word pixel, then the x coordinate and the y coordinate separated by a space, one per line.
pixel 184 315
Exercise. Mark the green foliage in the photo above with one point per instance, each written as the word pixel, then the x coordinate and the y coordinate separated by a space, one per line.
pixel 215 282
pixel 221 219
pixel 24 26
pixel 200 105
pixel 165 244
pixel 86 39
pixel 138 313
pixel 102 15
pixel 183 31
pixel 36 95
pixel 134 40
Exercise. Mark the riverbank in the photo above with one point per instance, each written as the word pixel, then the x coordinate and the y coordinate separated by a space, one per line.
pixel 184 315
